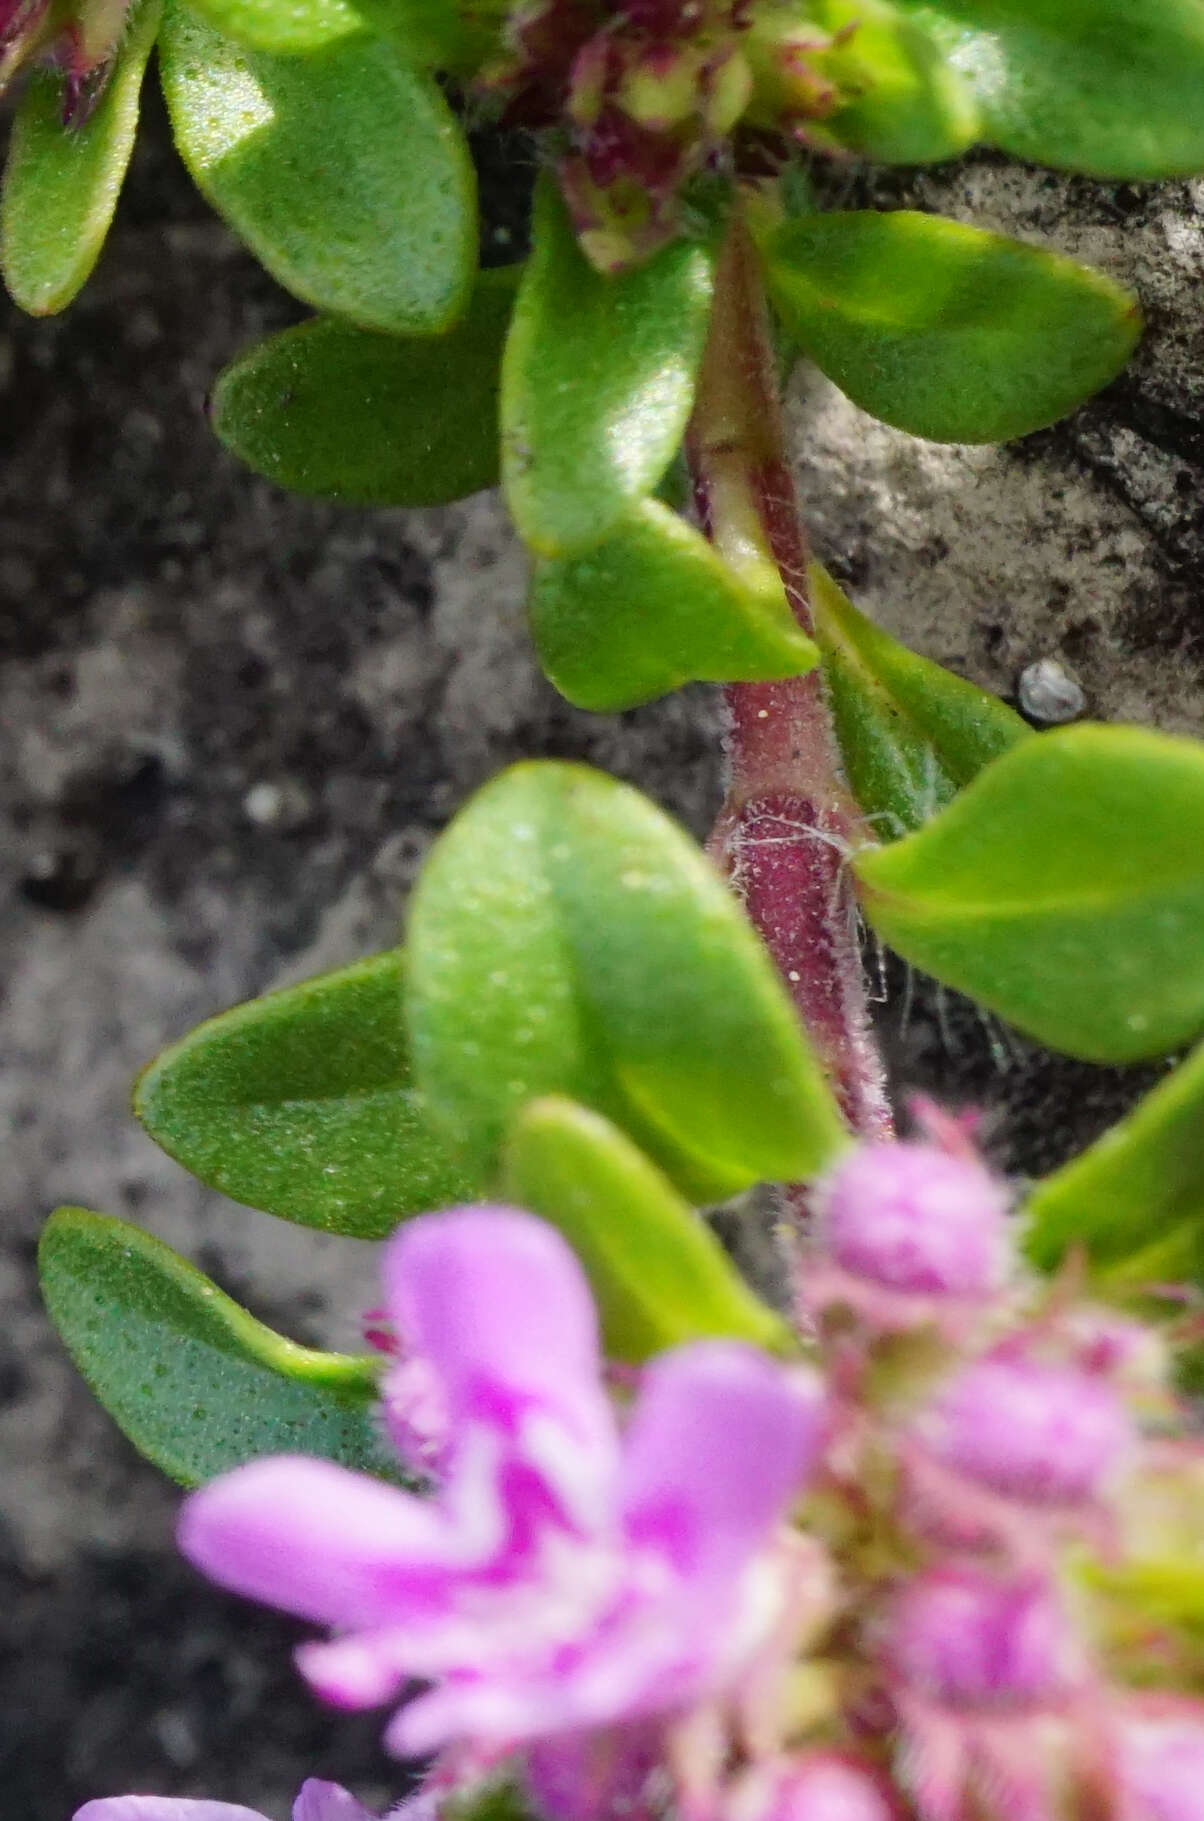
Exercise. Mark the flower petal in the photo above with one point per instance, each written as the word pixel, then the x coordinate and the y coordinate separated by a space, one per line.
pixel 721 1440
pixel 327 1544
pixel 318 1801
pixel 495 1301
pixel 167 1808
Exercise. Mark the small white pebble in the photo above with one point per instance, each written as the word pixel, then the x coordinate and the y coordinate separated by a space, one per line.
pixel 1049 693
pixel 263 804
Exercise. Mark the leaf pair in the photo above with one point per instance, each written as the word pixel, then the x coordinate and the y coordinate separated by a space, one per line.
pixel 628 600
pixel 578 904
pixel 330 153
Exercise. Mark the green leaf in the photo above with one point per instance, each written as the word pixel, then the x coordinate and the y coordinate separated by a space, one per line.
pixel 282 25
pixel 1135 1200
pixel 659 1275
pixel 348 414
pixel 567 937
pixel 944 330
pixel 437 34
pixel 197 1384
pixel 61 183
pixel 300 1103
pixel 597 381
pixel 1064 889
pixel 911 106
pixel 343 170
pixel 912 734
pixel 1109 87
pixel 655 607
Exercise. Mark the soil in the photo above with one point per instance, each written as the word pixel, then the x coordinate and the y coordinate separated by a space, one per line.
pixel 231 723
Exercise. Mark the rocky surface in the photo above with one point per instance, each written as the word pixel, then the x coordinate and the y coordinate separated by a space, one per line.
pixel 230 724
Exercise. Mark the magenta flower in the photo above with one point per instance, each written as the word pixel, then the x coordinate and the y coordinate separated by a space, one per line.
pixel 564 1577
pixel 969 1639
pixel 1045 1434
pixel 819 1785
pixel 907 1233
pixel 315 1802
pixel 1161 1764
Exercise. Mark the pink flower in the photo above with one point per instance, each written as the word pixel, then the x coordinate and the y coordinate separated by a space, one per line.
pixel 1044 1434
pixel 905 1230
pixel 969 1640
pixel 315 1802
pixel 563 1577
pixel 822 1785
pixel 1161 1765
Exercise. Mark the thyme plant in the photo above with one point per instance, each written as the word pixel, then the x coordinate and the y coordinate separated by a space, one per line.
pixel 613 1536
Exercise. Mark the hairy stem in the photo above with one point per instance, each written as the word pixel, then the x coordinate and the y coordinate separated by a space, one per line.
pixel 789 819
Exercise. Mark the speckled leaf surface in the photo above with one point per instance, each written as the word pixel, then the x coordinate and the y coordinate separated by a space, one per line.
pixel 301 1103
pixel 655 607
pixel 659 1275
pixel 372 420
pixel 1064 889
pixel 343 170
pixel 567 937
pixel 61 184
pixel 944 330
pixel 597 382
pixel 195 1382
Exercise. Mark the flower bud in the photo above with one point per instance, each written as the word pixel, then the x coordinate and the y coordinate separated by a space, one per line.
pixel 968 1640
pixel 1045 1434
pixel 79 39
pixel 661 90
pixel 913 1219
pixel 815 1786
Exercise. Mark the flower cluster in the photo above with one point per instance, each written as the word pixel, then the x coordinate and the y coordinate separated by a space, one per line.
pixel 647 93
pixel 883 1579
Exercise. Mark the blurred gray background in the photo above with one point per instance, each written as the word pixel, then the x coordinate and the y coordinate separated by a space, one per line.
pixel 231 724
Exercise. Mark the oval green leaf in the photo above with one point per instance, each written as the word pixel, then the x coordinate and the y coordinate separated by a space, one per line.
pixel 348 414
pixel 944 330
pixel 659 1275
pixel 597 382
pixel 197 1384
pixel 1108 87
pixel 301 1103
pixel 654 607
pixel 343 170
pixel 567 937
pixel 1135 1200
pixel 1064 889
pixel 911 733
pixel 61 183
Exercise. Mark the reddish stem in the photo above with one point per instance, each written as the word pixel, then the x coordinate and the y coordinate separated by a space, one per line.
pixel 789 820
